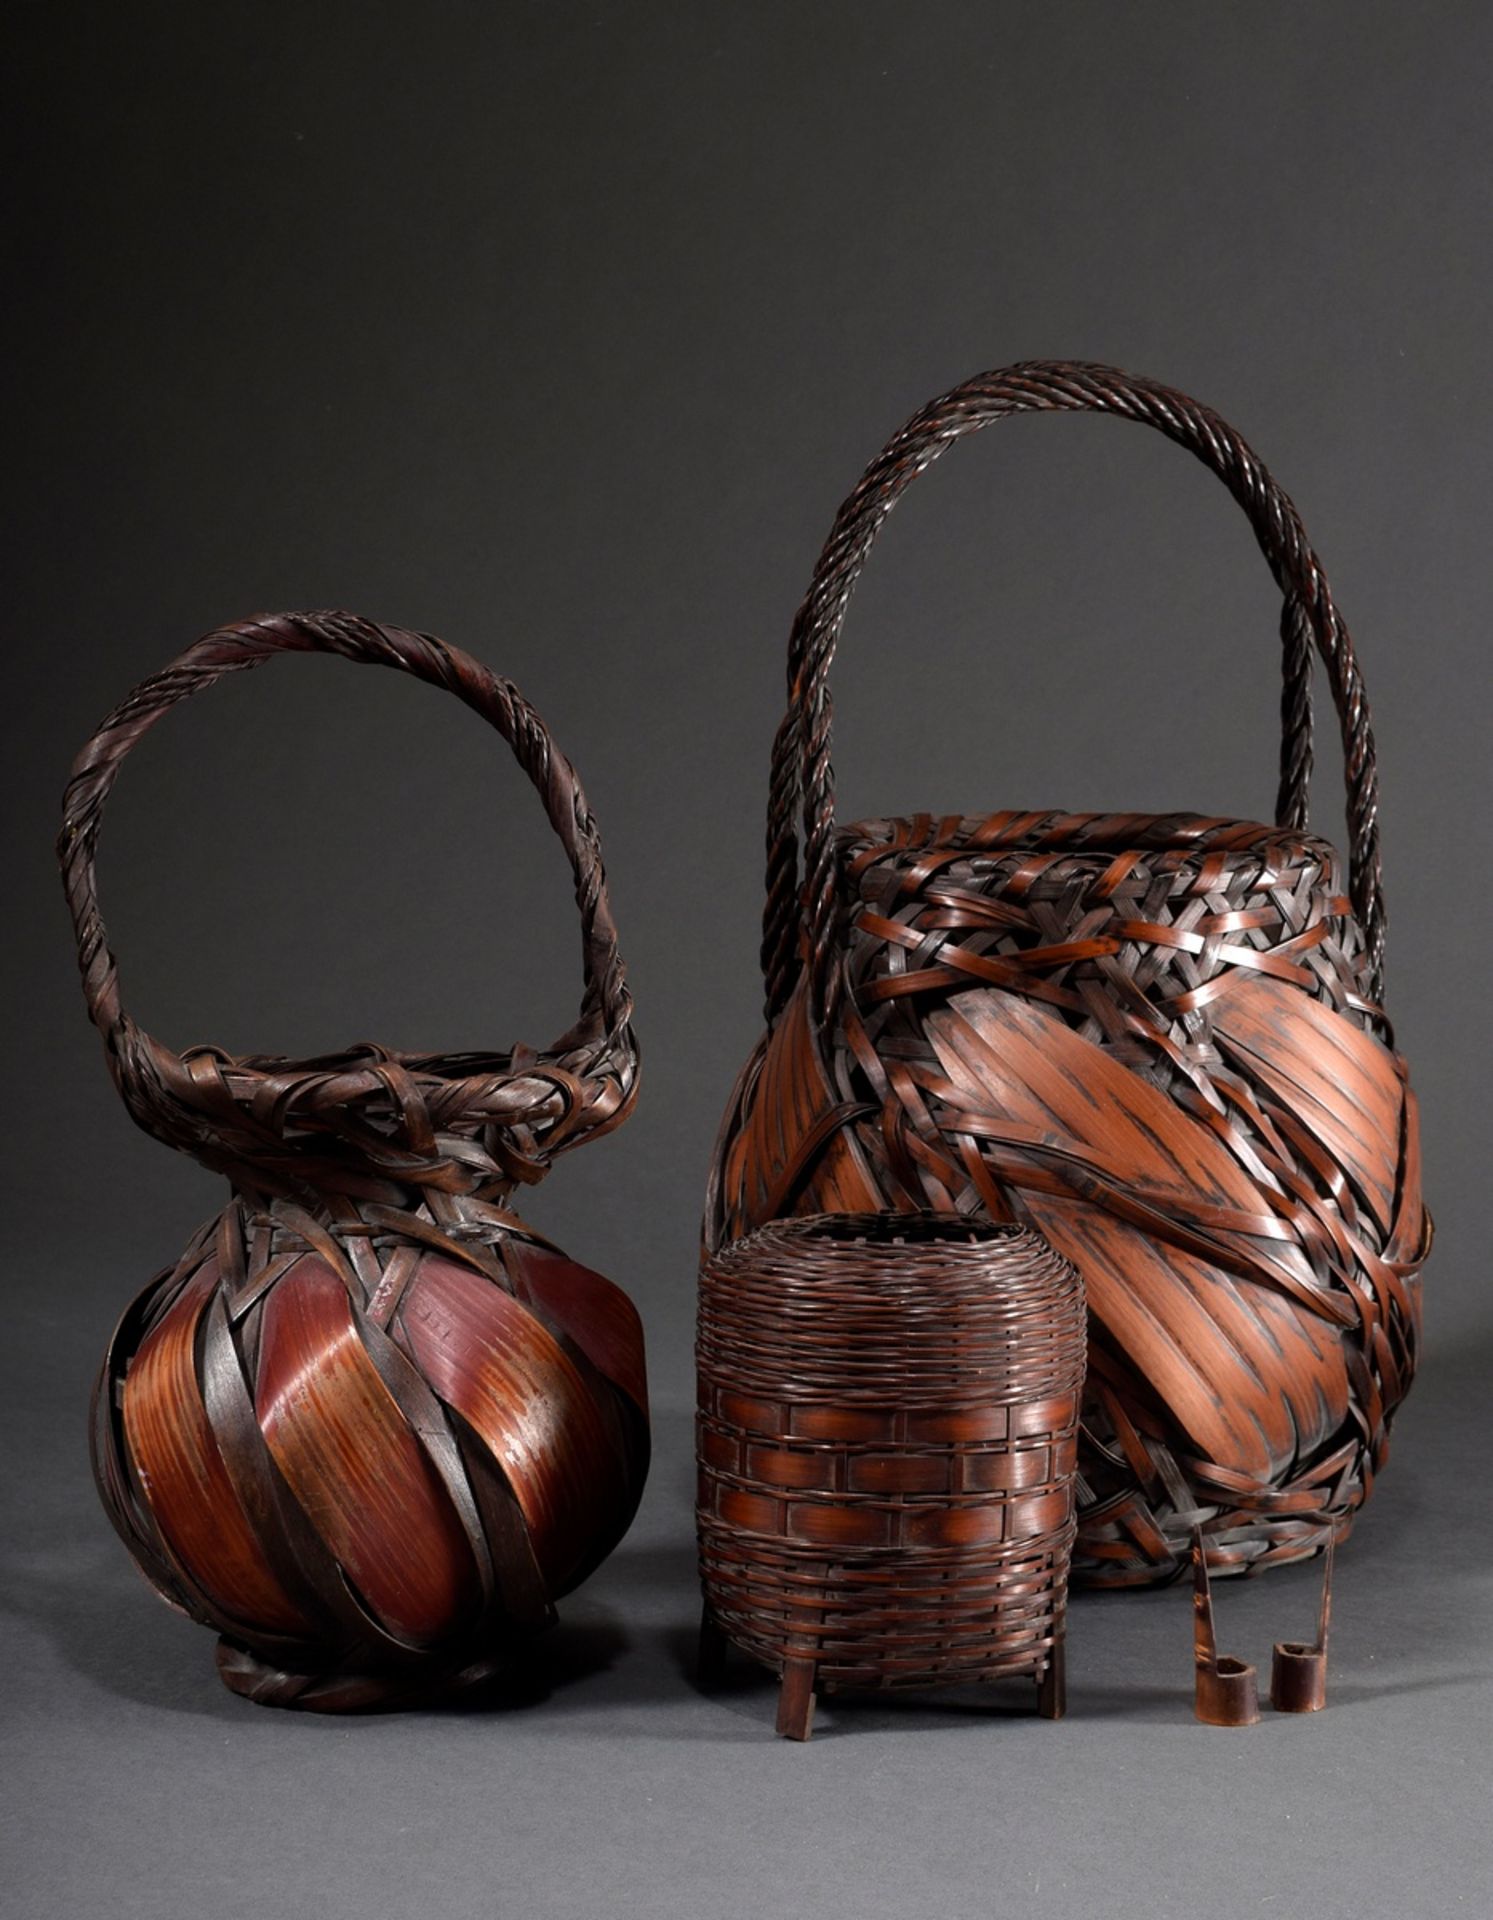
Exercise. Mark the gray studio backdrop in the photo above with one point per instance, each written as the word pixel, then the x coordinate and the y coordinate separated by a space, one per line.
pixel 561 332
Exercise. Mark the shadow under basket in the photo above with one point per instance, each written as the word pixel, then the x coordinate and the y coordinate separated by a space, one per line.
pixel 887 1432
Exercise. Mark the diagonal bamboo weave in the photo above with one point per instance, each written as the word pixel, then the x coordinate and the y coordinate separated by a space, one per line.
pixel 1160 1040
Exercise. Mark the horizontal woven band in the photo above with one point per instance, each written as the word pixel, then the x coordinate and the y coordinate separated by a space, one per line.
pixel 910 1618
pixel 887 1445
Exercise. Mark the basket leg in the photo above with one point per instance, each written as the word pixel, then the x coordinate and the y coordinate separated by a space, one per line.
pixel 710 1660
pixel 796 1700
pixel 1225 1691
pixel 1052 1687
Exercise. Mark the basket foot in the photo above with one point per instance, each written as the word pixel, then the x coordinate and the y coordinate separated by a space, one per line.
pixel 796 1700
pixel 1225 1690
pixel 1298 1673
pixel 338 1691
pixel 1052 1686
pixel 710 1658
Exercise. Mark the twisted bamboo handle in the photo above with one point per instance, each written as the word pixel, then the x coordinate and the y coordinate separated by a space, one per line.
pixel 798 921
pixel 603 1027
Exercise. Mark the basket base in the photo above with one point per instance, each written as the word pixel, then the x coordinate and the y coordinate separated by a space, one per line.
pixel 799 1682
pixel 336 1691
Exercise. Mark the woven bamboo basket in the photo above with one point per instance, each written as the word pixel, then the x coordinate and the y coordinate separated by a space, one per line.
pixel 887 1440
pixel 370 1426
pixel 1161 1040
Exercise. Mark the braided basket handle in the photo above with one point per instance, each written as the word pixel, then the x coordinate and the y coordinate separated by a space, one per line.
pixel 604 1024
pixel 798 922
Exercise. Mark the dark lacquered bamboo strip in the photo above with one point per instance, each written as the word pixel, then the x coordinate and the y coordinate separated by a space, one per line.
pixel 355 1468
pixel 181 1470
pixel 491 1360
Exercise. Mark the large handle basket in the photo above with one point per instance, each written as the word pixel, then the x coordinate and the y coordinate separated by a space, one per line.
pixel 1161 1039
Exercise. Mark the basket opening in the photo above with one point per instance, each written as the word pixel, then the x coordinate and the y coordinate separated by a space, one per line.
pixel 909 1229
pixel 1166 836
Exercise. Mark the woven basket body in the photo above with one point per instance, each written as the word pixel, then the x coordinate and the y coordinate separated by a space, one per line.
pixel 1161 1040
pixel 371 1425
pixel 887 1439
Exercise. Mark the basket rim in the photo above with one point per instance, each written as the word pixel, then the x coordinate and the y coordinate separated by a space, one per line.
pixel 357 1067
pixel 1167 840
pixel 883 1230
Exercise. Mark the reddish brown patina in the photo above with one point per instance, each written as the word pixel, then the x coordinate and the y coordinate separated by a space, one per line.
pixel 1225 1690
pixel 1298 1672
pixel 887 1443
pixel 371 1425
pixel 1159 1039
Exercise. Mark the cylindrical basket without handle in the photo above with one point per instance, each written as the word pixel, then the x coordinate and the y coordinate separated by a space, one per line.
pixel 887 1436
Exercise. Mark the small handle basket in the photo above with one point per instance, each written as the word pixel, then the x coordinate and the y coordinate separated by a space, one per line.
pixel 369 1120
pixel 370 1427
